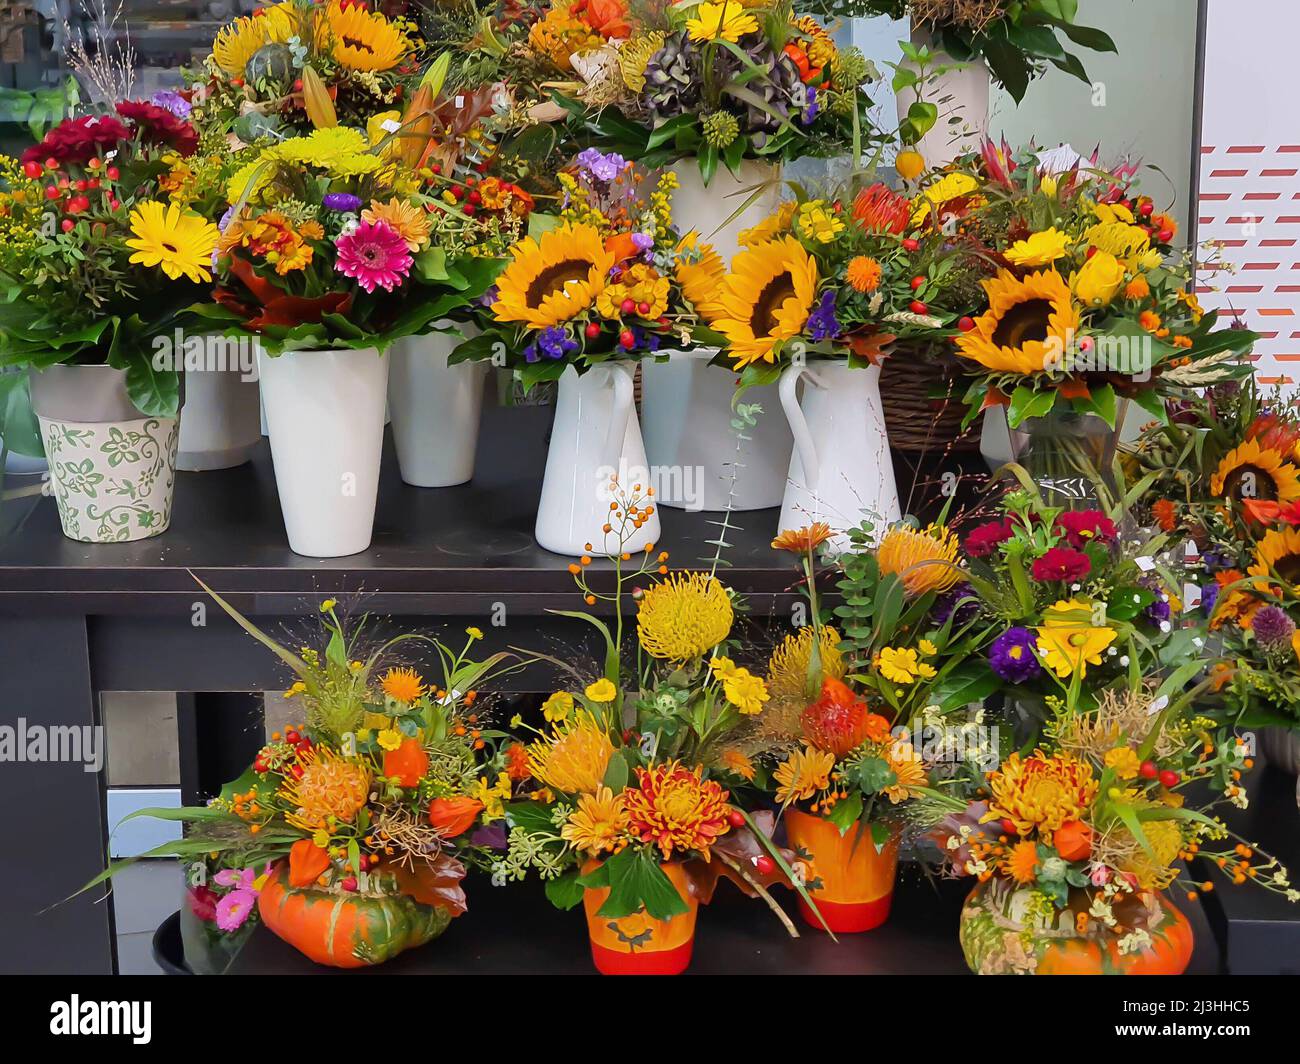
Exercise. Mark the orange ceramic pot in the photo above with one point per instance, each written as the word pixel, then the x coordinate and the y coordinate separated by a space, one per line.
pixel 995 942
pixel 639 944
pixel 850 880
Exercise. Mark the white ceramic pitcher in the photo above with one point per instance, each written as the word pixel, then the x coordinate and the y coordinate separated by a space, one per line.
pixel 841 471
pixel 596 434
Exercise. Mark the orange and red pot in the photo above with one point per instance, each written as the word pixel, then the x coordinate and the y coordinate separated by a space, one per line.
pixel 850 881
pixel 639 944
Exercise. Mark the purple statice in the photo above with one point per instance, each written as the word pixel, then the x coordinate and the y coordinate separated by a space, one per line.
pixel 822 323
pixel 343 202
pixel 1273 629
pixel 1012 655
pixel 959 603
pixel 602 167
pixel 553 343
pixel 173 102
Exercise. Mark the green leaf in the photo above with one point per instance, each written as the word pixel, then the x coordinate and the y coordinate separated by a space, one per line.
pixel 566 891
pixel 1028 402
pixel 968 684
pixel 845 813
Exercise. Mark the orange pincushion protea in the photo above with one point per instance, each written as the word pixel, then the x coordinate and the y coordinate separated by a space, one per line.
pixel 839 721
pixel 1040 792
pixel 676 809
pixel 880 209
pixel 328 787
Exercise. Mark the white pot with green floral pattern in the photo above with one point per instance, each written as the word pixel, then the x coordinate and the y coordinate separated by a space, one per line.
pixel 112 468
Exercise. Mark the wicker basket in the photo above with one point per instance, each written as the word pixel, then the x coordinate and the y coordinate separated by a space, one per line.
pixel 922 393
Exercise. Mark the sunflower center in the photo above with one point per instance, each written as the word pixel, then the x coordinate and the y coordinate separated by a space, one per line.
pixel 1288 568
pixel 1023 323
pixel 554 278
pixel 774 293
pixel 1261 483
pixel 361 46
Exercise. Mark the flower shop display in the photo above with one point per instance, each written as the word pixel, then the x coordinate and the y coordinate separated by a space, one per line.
pixel 1089 306
pixel 89 297
pixel 628 807
pixel 348 836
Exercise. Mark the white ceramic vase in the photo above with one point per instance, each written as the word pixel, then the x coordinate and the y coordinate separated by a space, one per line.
pixel 435 410
pixel 841 471
pixel 962 96
pixel 222 425
pixel 697 459
pixel 596 435
pixel 325 418
pixel 112 468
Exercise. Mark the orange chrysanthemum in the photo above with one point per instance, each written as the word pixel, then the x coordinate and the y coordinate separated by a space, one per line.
pixel 863 273
pixel 676 809
pixel 1165 513
pixel 803 540
pixel 403 685
pixel 1040 793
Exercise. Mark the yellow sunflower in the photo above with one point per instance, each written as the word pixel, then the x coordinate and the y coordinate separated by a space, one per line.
pixel 179 241
pixel 1254 472
pixel 551 281
pixel 766 299
pixel 683 616
pixel 1278 553
pixel 699 272
pixel 403 217
pixel 1068 639
pixel 235 45
pixel 803 774
pixel 923 560
pixel 787 669
pixel 774 225
pixel 1027 326
pixel 365 40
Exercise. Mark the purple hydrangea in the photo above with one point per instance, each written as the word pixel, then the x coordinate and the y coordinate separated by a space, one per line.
pixel 173 102
pixel 822 323
pixel 553 343
pixel 343 202
pixel 1273 629
pixel 600 166
pixel 1012 655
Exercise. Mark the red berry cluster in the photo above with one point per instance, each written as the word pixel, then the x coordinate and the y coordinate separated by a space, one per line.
pixel 72 194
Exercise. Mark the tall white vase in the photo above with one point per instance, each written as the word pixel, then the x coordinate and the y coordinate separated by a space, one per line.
pixel 435 410
pixel 222 425
pixel 841 471
pixel 596 435
pixel 325 417
pixel 693 450
pixel 962 94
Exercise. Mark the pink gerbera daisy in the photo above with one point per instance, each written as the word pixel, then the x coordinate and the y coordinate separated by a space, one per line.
pixel 374 254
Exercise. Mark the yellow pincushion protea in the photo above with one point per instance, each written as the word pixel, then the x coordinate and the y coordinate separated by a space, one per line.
pixel 684 616
pixel 1154 870
pixel 787 669
pixel 1040 793
pixel 236 43
pixel 329 788
pixel 1027 327
pixel 925 560
pixel 766 299
pixel 574 757
pixel 634 57
pixel 1254 472
pixel 550 281
pixel 365 40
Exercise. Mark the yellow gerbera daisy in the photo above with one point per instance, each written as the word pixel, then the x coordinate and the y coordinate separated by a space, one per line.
pixel 803 774
pixel 683 616
pixel 727 21
pixel 766 299
pixel 404 218
pixel 1254 472
pixel 1070 642
pixel 365 40
pixel 598 825
pixel 235 44
pixel 699 272
pixel 1040 249
pixel 923 560
pixel 179 241
pixel 1278 554
pixel 1027 326
pixel 551 281
pixel 787 669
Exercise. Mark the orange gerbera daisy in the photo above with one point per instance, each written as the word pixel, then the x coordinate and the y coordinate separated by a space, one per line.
pixel 863 273
pixel 803 540
pixel 405 219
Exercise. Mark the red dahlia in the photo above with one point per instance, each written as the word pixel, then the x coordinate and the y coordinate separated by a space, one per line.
pixel 157 125
pixel 78 140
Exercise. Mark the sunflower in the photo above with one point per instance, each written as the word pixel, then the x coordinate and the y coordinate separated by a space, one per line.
pixel 1278 553
pixel 683 616
pixel 699 272
pixel 403 685
pixel 329 788
pixel 179 241
pixel 787 669
pixel 236 44
pixel 574 757
pixel 1069 641
pixel 1040 792
pixel 1026 327
pixel 774 225
pixel 675 808
pixel 803 774
pixel 551 281
pixel 766 299
pixel 1254 472
pixel 403 217
pixel 365 40
pixel 598 825
pixel 923 560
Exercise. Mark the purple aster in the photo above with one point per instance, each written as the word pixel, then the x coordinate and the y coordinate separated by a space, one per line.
pixel 173 102
pixel 822 323
pixel 602 167
pixel 947 606
pixel 344 202
pixel 1012 655
pixel 811 107
pixel 1273 629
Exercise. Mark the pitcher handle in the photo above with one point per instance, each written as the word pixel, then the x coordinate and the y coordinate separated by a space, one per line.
pixel 620 412
pixel 803 441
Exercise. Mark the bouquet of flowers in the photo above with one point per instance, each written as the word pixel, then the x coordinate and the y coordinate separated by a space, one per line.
pixel 611 280
pixel 1087 303
pixel 349 834
pixel 122 258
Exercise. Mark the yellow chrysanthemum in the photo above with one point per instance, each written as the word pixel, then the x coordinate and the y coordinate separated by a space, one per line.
pixel 766 299
pixel 745 691
pixel 908 769
pixel 699 272
pixel 787 669
pixel 323 148
pixel 684 616
pixel 365 40
pixel 675 809
pixel 1129 243
pixel 1027 326
pixel 1068 639
pixel 404 218
pixel 573 758
pixel 947 188
pixel 598 825
pixel 803 774
pixel 551 281
pixel 177 240
pixel 235 44
pixel 558 707
pixel 329 790
pixel 1124 760
pixel 727 21
pixel 1254 472
pixel 1040 793
pixel 1039 249
pixel 403 685
pixel 1278 553
pixel 923 560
